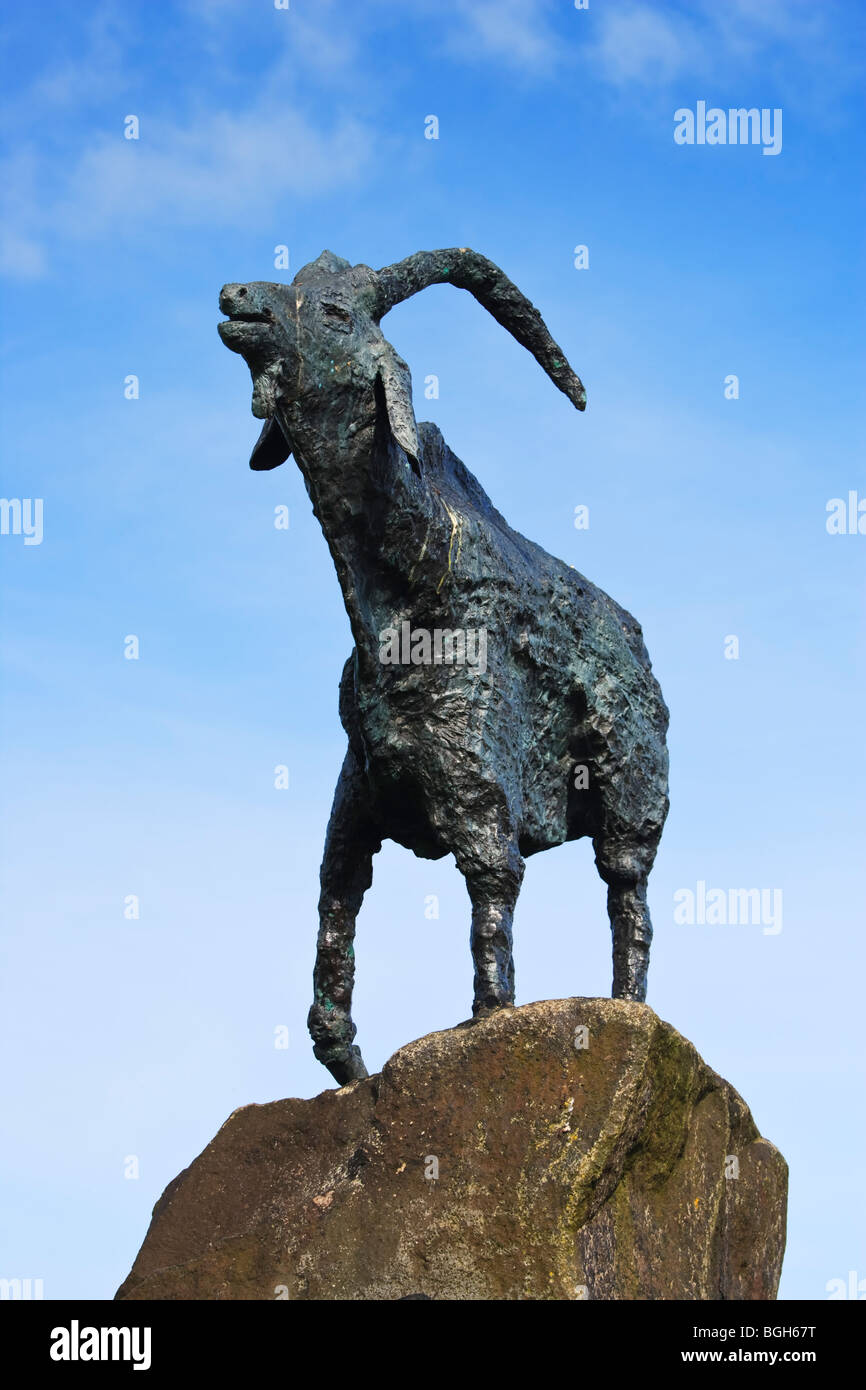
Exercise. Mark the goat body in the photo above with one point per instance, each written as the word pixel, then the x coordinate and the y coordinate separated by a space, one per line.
pixel 437 740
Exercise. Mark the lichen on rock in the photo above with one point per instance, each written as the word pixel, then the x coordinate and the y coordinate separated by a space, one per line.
pixel 569 1149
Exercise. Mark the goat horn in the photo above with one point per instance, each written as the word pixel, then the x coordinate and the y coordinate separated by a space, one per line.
pixel 492 288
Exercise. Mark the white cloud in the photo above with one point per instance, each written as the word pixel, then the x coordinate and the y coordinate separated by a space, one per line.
pixel 218 169
pixel 648 42
pixel 214 165
pixel 314 32
pixel 21 258
pixel 102 60
pixel 21 255
pixel 225 165
pixel 516 32
pixel 640 43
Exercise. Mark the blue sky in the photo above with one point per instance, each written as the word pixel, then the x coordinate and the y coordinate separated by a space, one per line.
pixel 155 777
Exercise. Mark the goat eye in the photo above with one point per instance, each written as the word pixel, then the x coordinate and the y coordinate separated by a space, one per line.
pixel 337 317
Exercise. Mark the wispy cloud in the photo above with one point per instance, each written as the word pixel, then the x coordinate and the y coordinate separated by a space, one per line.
pixel 21 253
pixel 517 33
pixel 220 153
pixel 215 167
pixel 230 145
pixel 645 42
pixel 640 43
pixel 221 168
pixel 21 258
pixel 318 34
pixel 102 57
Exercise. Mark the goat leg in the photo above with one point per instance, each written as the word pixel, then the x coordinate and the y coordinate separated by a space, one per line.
pixel 625 869
pixel 493 886
pixel 346 874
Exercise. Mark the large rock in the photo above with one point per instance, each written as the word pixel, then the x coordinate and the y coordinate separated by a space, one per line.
pixel 583 1150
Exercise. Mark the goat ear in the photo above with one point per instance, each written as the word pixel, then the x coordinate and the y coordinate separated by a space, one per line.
pixel 396 382
pixel 271 447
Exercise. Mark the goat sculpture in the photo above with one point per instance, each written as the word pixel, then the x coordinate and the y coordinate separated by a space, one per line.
pixel 445 756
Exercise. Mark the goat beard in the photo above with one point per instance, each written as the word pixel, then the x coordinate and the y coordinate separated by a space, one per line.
pixel 269 381
pixel 271 448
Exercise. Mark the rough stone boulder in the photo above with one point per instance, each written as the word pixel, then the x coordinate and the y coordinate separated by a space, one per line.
pixel 578 1148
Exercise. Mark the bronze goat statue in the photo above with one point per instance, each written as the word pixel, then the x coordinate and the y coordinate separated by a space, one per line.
pixel 558 733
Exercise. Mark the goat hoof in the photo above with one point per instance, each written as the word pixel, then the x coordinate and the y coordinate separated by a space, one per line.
pixel 349 1067
pixel 480 1011
pixel 631 996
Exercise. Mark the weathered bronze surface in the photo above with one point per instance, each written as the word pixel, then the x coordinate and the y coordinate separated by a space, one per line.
pixel 535 720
